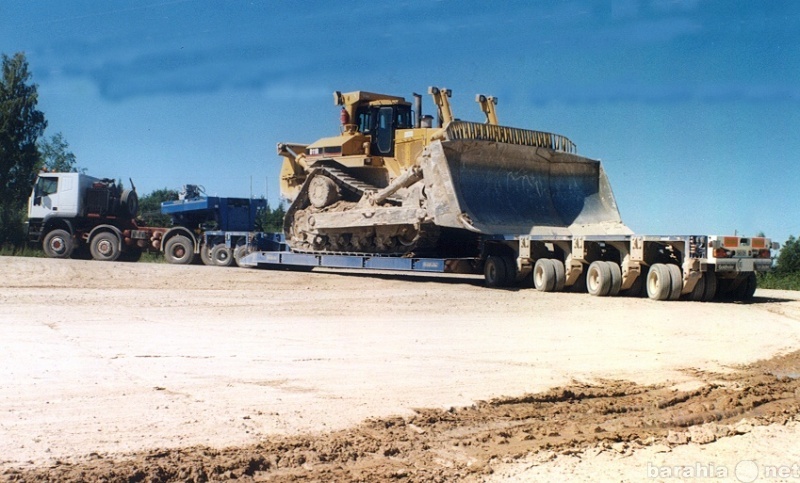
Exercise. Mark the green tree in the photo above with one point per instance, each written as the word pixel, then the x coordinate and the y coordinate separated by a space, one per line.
pixel 56 156
pixel 269 220
pixel 21 125
pixel 789 257
pixel 150 207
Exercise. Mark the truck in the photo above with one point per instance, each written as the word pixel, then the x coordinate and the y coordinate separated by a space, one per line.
pixel 393 192
pixel 81 216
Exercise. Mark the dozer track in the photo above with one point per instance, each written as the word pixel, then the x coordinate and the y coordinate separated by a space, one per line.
pixel 345 226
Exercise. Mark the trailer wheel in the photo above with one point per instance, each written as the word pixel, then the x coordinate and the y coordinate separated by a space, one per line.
pixel 698 292
pixel 616 278
pixel 710 291
pixel 495 272
pixel 238 253
pixel 747 288
pixel 222 256
pixel 598 279
pixel 205 255
pixel 544 275
pixel 659 282
pixel 58 244
pixel 561 274
pixel 105 247
pixel 178 250
pixel 676 281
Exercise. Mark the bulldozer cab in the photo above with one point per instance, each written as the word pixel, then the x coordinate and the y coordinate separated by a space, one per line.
pixel 380 123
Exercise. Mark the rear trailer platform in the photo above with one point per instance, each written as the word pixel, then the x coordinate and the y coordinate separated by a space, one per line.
pixel 672 267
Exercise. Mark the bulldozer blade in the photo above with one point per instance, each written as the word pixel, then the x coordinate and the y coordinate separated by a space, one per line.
pixel 502 188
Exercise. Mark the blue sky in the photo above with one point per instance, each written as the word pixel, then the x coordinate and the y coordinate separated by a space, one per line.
pixel 693 106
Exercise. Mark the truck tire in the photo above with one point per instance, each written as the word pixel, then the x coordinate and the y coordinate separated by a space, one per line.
pixel 205 255
pixel 495 272
pixel 710 291
pixel 598 279
pixel 130 203
pixel 676 281
pixel 544 275
pixel 238 253
pixel 58 244
pixel 747 288
pixel 616 278
pixel 179 250
pixel 659 283
pixel 561 274
pixel 698 292
pixel 105 246
pixel 222 256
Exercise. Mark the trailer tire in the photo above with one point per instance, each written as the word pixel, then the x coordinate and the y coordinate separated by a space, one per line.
pixel 495 272
pixel 698 292
pixel 710 291
pixel 222 256
pixel 616 278
pixel 598 279
pixel 205 255
pixel 544 275
pixel 105 246
pixel 659 282
pixel 178 250
pixel 675 280
pixel 561 274
pixel 238 253
pixel 58 244
pixel 747 288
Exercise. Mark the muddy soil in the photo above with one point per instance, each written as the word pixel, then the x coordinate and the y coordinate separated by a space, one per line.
pixel 205 374
pixel 465 443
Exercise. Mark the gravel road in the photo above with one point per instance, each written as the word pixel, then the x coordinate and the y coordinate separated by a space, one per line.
pixel 105 365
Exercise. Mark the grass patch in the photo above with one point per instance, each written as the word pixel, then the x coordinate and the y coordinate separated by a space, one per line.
pixel 779 281
pixel 21 251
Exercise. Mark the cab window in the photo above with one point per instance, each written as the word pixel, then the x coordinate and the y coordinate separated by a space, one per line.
pixel 47 186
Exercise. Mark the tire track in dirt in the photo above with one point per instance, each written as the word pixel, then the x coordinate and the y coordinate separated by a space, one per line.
pixel 464 443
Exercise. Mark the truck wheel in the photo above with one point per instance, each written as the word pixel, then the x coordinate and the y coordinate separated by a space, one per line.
pixel 179 250
pixel 494 272
pixel 710 291
pixel 205 255
pixel 58 244
pixel 676 281
pixel 659 283
pixel 696 295
pixel 598 279
pixel 544 275
pixel 747 288
pixel 561 274
pixel 130 202
pixel 238 253
pixel 105 247
pixel 616 278
pixel 222 256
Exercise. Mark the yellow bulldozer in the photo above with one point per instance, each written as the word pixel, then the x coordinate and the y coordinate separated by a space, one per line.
pixel 393 183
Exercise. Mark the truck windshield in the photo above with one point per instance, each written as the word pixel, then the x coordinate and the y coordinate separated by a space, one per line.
pixel 46 186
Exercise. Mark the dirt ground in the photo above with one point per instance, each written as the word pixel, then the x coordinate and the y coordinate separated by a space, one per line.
pixel 149 372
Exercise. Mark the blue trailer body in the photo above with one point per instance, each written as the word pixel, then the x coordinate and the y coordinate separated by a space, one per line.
pixel 229 214
pixel 271 250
